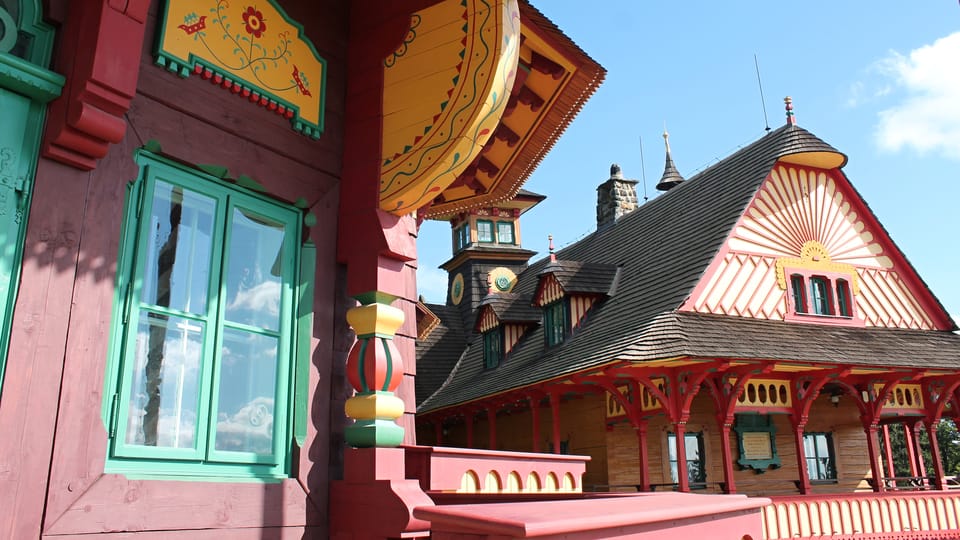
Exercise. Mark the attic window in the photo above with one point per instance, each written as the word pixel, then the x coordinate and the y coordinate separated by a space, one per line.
pixel 461 237
pixel 555 322
pixel 505 232
pixel 820 296
pixel 492 348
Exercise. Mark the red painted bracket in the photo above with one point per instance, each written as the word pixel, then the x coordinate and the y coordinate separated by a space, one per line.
pixel 100 56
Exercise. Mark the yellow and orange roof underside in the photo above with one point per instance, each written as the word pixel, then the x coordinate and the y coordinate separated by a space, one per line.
pixel 554 80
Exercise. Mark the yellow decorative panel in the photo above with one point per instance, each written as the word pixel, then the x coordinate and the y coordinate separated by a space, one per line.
pixel 250 48
pixel 765 393
pixel 445 89
pixel 907 396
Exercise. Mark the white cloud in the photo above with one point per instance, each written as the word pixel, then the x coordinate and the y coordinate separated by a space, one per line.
pixel 432 284
pixel 927 119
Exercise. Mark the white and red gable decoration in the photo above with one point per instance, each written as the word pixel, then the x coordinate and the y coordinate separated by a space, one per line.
pixel 811 220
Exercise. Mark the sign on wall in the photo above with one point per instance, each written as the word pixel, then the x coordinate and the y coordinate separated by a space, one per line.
pixel 251 49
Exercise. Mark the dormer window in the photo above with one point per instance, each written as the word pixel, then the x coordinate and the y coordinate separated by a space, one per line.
pixel 555 322
pixel 492 348
pixel 843 298
pixel 820 296
pixel 484 231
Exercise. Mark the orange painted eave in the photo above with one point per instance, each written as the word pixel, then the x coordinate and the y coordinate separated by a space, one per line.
pixel 539 140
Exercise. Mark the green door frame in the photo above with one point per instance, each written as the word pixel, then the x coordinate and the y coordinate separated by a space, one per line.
pixel 26 86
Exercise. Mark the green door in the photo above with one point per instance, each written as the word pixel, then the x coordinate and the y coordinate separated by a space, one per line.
pixel 14 191
pixel 25 88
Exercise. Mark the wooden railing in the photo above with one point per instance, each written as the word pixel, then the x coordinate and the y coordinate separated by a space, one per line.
pixel 927 515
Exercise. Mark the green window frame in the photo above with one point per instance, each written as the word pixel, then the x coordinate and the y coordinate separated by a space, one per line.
pixel 820 295
pixel 555 322
pixel 696 457
pixel 843 298
pixel 484 231
pixel 211 300
pixel 798 288
pixel 492 348
pixel 505 232
pixel 820 455
pixel 461 237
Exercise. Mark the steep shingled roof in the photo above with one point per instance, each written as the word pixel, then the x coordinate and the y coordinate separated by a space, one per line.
pixel 439 352
pixel 583 277
pixel 663 249
pixel 511 307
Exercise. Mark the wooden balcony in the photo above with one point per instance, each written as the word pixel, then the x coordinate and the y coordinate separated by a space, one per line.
pixel 926 515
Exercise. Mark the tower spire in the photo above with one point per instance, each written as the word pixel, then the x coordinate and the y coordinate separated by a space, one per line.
pixel 671 177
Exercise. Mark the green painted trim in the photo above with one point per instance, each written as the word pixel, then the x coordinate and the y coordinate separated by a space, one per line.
pixel 178 65
pixel 21 76
pixel 375 297
pixel 361 366
pixel 31 22
pixel 757 423
pixel 389 374
pixel 374 433
pixel 301 392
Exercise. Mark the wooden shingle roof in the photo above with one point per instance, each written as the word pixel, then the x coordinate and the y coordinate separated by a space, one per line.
pixel 662 250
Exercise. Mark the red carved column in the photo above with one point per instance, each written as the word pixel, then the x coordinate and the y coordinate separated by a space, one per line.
pixel 469 420
pixel 870 429
pixel 935 454
pixel 910 443
pixel 727 457
pixel 643 456
pixel 798 429
pixel 492 425
pixel 555 415
pixel 679 431
pixel 888 452
pixel 535 413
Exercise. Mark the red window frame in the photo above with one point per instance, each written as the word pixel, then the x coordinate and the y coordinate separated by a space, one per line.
pixel 808 312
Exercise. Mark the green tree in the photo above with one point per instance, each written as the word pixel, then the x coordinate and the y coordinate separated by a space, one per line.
pixel 948 439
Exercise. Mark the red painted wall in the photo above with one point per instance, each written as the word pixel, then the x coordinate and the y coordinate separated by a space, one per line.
pixel 54 443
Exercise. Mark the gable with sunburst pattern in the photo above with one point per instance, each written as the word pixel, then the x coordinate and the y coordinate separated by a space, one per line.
pixel 809 220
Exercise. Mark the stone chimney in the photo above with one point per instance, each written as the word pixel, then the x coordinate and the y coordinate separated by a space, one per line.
pixel 615 197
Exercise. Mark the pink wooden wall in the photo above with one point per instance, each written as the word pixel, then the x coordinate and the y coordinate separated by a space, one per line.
pixel 54 443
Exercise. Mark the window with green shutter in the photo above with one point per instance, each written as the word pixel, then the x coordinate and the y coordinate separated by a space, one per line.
pixel 492 348
pixel 203 357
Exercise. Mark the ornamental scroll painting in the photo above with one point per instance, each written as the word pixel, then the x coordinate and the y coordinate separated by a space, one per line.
pixel 251 49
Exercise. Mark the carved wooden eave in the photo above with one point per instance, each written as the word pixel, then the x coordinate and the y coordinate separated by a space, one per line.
pixel 554 80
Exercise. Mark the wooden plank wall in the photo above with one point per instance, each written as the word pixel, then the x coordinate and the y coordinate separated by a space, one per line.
pixel 54 444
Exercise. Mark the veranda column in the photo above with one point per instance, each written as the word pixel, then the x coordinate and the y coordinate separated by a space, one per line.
pixel 727 457
pixel 875 469
pixel 555 415
pixel 912 453
pixel 935 454
pixel 492 426
pixel 535 413
pixel 469 419
pixel 798 429
pixel 888 452
pixel 679 431
pixel 643 455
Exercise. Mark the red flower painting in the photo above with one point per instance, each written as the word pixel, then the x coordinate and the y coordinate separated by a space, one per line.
pixel 253 18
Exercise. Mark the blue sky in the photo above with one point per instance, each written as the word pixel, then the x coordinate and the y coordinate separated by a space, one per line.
pixel 879 80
